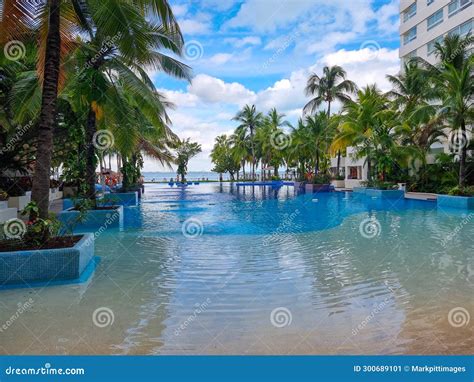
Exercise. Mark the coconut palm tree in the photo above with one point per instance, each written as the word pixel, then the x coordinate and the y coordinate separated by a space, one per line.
pixel 185 150
pixel 249 120
pixel 332 86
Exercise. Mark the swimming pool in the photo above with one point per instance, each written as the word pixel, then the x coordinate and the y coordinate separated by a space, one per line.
pixel 216 269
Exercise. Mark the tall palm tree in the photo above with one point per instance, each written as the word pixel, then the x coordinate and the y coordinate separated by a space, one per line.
pixel 453 80
pixel 249 119
pixel 52 21
pixel 331 86
pixel 185 150
pixel 240 149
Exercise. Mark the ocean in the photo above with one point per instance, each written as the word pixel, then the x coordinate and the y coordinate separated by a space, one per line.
pixel 192 175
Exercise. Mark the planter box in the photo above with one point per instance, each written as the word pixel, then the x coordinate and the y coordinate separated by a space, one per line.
pixel 22 267
pixel 19 202
pixel 460 202
pixel 7 214
pixel 385 194
pixel 120 198
pixel 93 220
pixel 317 188
pixel 338 183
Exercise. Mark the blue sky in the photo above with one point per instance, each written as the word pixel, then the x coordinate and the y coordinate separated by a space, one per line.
pixel 261 52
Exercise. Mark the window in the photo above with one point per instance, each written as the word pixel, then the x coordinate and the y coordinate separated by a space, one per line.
pixel 429 2
pixel 457 5
pixel 462 29
pixel 435 19
pixel 432 43
pixel 409 36
pixel 409 12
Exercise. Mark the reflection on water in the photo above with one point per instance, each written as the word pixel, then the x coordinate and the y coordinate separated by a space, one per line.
pixel 261 251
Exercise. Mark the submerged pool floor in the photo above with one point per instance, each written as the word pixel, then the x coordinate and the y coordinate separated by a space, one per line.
pixel 213 269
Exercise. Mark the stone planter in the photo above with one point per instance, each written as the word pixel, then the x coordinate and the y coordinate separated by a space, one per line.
pixel 19 202
pixel 338 183
pixel 459 202
pixel 44 265
pixel 317 188
pixel 385 194
pixel 93 219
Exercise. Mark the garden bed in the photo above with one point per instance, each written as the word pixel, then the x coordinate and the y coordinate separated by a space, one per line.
pixel 52 243
pixel 47 264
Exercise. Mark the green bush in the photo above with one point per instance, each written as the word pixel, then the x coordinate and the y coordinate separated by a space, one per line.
pixel 322 179
pixel 461 191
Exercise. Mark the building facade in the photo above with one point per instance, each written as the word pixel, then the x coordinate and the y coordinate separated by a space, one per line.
pixel 425 22
pixel 422 24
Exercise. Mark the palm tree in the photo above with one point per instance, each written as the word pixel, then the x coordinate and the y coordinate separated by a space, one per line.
pixel 368 125
pixel 20 20
pixel 240 149
pixel 185 151
pixel 453 80
pixel 332 86
pixel 249 119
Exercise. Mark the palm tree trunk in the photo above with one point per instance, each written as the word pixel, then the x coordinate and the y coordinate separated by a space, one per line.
pixel 462 156
pixel 48 113
pixel 338 162
pixel 90 155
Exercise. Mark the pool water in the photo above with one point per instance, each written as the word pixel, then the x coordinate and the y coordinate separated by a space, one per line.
pixel 216 269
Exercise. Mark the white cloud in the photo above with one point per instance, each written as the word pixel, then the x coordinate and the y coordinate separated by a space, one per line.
pixel 240 42
pixel 220 58
pixel 179 9
pixel 189 26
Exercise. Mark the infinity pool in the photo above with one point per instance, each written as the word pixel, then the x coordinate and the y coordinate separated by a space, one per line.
pixel 216 269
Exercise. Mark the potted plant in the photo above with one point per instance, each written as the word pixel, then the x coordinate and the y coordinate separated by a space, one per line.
pixel 39 251
pixel 457 197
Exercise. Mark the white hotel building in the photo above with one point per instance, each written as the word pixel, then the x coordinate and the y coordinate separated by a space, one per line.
pixel 422 24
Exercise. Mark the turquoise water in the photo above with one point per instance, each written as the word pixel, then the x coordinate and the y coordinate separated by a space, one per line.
pixel 213 269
